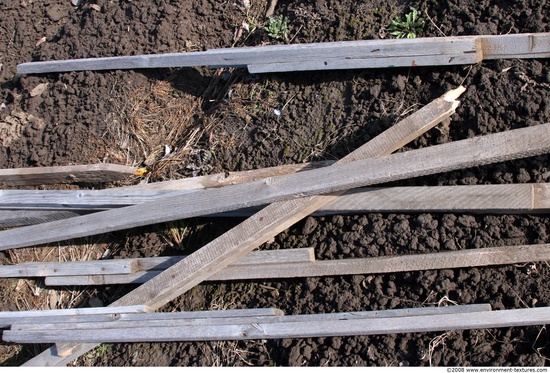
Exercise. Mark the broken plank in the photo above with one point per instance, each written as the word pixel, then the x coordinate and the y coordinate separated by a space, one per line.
pixel 258 229
pixel 288 329
pixel 93 173
pixel 492 256
pixel 132 265
pixel 472 152
pixel 174 319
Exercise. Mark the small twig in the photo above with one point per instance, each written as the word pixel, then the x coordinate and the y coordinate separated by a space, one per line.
pixel 433 23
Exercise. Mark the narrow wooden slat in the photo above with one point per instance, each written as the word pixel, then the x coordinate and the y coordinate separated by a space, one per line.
pixel 126 266
pixel 256 230
pixel 338 267
pixel 302 329
pixel 541 198
pixel 13 317
pixel 478 151
pixel 207 316
pixel 516 46
pixel 242 57
pixel 93 173
pixel 505 198
pixel 173 319
pixel 21 218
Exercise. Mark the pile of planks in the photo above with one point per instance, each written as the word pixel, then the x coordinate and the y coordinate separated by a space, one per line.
pixel 274 199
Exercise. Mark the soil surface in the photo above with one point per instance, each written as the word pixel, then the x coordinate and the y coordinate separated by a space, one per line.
pixel 230 123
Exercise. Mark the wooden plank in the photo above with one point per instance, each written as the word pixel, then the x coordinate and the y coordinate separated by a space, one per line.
pixel 126 266
pixel 241 57
pixel 347 54
pixel 131 317
pixel 174 319
pixel 227 178
pixel 338 267
pixel 302 329
pixel 93 173
pixel 505 198
pixel 516 46
pixel 12 317
pixel 20 218
pixel 258 229
pixel 478 151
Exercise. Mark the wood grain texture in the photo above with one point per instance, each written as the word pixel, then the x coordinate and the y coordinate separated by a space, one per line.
pixel 516 46
pixel 301 329
pixel 93 173
pixel 478 151
pixel 177 319
pixel 258 229
pixel 338 267
pixel 132 265
pixel 504 198
pixel 21 218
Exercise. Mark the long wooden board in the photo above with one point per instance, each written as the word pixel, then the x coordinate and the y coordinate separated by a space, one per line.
pixel 177 319
pixel 93 173
pixel 21 218
pixel 110 314
pixel 302 329
pixel 258 229
pixel 133 265
pixel 478 151
pixel 321 56
pixel 502 198
pixel 338 267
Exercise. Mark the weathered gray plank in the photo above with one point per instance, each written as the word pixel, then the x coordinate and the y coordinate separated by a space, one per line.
pixel 173 319
pixel 102 172
pixel 338 267
pixel 8 318
pixel 20 218
pixel 516 46
pixel 505 198
pixel 131 317
pixel 126 266
pixel 478 151
pixel 241 57
pixel 258 229
pixel 302 329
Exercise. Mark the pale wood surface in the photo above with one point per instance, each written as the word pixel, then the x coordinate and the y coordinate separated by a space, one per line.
pixel 516 46
pixel 337 267
pixel 478 151
pixel 504 198
pixel 126 266
pixel 302 329
pixel 174 319
pixel 102 172
pixel 20 218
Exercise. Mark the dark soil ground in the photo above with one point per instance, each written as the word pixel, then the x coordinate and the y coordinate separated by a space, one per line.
pixel 90 117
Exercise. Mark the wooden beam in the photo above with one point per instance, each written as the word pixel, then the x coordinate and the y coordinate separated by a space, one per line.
pixel 177 319
pixel 444 51
pixel 93 173
pixel 502 198
pixel 258 229
pixel 302 329
pixel 111 316
pixel 21 218
pixel 133 265
pixel 473 152
pixel 339 267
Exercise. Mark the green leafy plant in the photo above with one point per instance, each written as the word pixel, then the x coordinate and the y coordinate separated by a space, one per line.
pixel 408 28
pixel 278 28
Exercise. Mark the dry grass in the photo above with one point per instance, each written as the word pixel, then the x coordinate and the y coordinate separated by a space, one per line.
pixel 27 294
pixel 158 126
